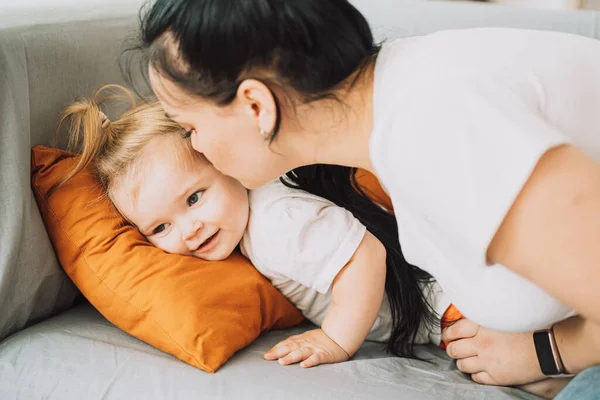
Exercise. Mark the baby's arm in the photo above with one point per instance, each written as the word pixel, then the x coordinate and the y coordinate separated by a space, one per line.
pixel 357 294
pixel 308 245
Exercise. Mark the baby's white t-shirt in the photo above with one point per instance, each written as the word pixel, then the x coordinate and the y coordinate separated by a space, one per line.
pixel 300 242
pixel 461 118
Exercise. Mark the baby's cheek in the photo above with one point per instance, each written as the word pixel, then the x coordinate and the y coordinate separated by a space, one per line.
pixel 238 217
pixel 169 245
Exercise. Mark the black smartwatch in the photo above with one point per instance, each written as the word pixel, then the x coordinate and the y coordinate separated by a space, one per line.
pixel 547 353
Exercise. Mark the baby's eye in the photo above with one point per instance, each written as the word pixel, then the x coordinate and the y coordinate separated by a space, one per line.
pixel 193 199
pixel 160 228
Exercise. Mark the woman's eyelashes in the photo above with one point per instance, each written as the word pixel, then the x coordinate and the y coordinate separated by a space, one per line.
pixel 195 198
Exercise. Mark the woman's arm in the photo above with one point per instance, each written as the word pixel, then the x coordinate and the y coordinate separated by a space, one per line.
pixel 547 388
pixel 578 342
pixel 551 234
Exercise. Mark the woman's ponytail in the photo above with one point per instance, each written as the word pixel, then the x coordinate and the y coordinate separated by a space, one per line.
pixel 409 306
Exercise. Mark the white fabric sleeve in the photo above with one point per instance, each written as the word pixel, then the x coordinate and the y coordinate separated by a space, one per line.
pixel 300 236
pixel 457 157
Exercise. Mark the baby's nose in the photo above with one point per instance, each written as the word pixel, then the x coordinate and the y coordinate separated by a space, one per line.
pixel 191 230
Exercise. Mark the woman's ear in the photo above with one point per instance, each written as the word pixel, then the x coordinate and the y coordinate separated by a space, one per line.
pixel 257 99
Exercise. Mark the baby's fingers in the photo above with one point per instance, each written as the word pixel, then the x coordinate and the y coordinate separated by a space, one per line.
pixel 312 361
pixel 279 350
pixel 300 354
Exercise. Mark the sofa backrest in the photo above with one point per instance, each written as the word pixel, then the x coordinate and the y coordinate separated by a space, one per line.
pixel 399 18
pixel 43 67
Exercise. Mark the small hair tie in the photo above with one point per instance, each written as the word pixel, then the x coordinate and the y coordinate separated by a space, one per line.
pixel 104 120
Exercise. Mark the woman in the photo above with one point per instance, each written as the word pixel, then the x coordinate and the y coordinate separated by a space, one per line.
pixel 477 136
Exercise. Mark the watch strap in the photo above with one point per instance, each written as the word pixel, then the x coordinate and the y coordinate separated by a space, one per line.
pixel 547 353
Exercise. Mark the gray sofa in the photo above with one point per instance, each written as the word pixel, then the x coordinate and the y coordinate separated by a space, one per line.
pixel 56 346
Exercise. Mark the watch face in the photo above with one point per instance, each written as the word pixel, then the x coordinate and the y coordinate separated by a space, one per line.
pixel 543 348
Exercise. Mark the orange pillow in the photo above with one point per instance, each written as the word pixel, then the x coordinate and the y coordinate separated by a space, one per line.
pixel 201 312
pixel 372 188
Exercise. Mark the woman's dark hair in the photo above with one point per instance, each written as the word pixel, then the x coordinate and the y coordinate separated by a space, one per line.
pixel 208 47
pixel 403 284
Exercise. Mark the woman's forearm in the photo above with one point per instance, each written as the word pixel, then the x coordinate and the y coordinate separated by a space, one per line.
pixel 547 388
pixel 578 342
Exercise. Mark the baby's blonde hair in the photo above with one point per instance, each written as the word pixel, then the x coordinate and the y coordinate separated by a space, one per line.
pixel 115 149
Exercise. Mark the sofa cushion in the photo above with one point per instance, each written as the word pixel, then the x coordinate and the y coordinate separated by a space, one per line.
pixel 79 355
pixel 202 312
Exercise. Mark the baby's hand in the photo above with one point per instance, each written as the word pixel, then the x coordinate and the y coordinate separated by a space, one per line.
pixel 311 348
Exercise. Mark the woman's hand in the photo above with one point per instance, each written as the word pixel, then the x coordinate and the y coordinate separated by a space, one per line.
pixel 310 349
pixel 493 357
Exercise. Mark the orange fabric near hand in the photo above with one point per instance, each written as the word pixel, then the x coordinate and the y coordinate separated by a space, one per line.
pixel 451 315
pixel 201 312
pixel 372 188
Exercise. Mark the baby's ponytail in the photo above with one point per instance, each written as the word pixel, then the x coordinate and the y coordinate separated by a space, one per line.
pixel 90 132
pixel 111 148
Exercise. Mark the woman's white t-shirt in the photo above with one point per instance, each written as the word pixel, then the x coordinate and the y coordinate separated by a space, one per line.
pixel 461 118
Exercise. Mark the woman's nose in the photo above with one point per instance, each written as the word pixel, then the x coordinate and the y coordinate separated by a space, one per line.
pixel 191 229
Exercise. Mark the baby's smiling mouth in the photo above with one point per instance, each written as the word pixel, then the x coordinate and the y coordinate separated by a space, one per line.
pixel 206 244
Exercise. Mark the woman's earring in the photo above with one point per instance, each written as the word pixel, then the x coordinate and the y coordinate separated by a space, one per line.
pixel 264 134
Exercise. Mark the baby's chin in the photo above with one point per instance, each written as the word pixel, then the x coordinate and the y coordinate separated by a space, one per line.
pixel 210 257
pixel 216 255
